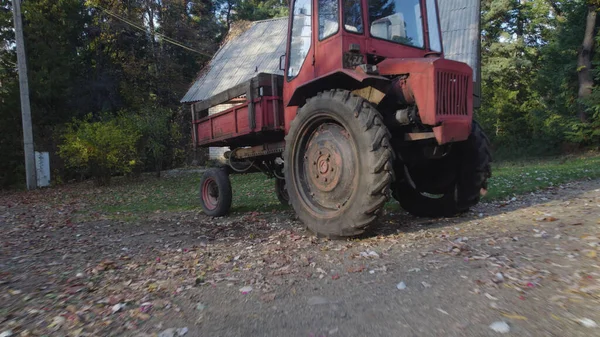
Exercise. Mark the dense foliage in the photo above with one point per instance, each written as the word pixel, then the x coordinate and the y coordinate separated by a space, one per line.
pixel 533 102
pixel 107 57
pixel 100 149
pixel 137 58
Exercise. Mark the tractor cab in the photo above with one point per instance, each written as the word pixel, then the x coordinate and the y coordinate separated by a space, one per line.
pixel 391 46
pixel 334 34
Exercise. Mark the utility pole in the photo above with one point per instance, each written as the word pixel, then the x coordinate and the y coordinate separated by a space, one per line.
pixel 25 105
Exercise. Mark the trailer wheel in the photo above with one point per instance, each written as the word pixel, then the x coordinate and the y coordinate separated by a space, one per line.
pixel 215 192
pixel 471 177
pixel 338 164
pixel 281 191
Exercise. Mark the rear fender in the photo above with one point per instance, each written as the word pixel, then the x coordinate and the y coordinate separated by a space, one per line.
pixel 341 79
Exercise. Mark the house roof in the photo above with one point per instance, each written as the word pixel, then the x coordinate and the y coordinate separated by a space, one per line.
pixel 255 50
pixel 259 47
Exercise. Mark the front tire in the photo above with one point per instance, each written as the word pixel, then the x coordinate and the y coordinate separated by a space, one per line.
pixel 473 169
pixel 338 164
pixel 215 192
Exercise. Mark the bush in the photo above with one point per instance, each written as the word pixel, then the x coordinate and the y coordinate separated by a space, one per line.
pixel 159 136
pixel 100 149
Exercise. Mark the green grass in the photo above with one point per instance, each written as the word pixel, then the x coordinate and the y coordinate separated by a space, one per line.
pixel 255 192
pixel 251 192
pixel 513 178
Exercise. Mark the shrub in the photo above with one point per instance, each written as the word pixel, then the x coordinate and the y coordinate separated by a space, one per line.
pixel 154 124
pixel 101 148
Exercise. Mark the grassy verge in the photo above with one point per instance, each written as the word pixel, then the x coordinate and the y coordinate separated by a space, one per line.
pixel 251 192
pixel 512 178
pixel 254 192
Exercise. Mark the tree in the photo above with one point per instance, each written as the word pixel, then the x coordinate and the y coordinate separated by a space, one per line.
pixel 158 135
pixel 99 57
pixel 584 58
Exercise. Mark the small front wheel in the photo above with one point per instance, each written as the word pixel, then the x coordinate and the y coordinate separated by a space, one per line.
pixel 215 192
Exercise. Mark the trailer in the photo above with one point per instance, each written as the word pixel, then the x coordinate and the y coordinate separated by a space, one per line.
pixel 358 115
pixel 253 126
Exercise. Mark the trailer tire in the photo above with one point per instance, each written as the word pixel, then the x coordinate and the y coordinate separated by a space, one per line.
pixel 338 164
pixel 281 192
pixel 215 192
pixel 474 159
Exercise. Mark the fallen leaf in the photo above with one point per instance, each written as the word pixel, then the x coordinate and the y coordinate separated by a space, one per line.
pixel 356 269
pixel 117 307
pixel 490 297
pixel 514 316
pixel 591 254
pixel 246 289
pixel 57 322
pixel 268 297
pixel 442 311
pixel 588 323
pixel 145 307
pixel 546 219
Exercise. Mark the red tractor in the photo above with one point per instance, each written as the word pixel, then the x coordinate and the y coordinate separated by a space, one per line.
pixel 368 108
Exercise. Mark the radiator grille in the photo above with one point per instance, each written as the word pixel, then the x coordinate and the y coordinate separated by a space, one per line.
pixel 451 93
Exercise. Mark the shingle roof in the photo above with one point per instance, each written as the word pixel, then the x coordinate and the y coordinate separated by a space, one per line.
pixel 258 49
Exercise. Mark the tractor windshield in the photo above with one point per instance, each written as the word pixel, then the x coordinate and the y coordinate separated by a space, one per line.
pixel 398 21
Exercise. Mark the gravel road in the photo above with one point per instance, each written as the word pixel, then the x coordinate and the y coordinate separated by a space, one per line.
pixel 524 267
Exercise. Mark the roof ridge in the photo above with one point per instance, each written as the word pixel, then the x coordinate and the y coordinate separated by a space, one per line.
pixel 271 19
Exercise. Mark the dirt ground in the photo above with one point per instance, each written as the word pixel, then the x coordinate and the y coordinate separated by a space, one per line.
pixel 530 263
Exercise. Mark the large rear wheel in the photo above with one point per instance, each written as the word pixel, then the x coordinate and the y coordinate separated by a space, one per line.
pixel 338 164
pixel 469 167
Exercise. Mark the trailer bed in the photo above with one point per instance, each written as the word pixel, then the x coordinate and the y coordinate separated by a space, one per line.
pixel 253 114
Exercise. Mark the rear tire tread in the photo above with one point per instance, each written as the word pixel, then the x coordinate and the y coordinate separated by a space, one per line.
pixel 380 175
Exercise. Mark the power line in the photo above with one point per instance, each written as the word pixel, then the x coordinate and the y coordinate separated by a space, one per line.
pixel 164 37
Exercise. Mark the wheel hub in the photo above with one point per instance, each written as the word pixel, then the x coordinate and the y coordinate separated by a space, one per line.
pixel 210 193
pixel 329 165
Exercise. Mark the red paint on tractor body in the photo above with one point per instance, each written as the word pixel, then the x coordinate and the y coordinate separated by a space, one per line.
pixel 442 90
